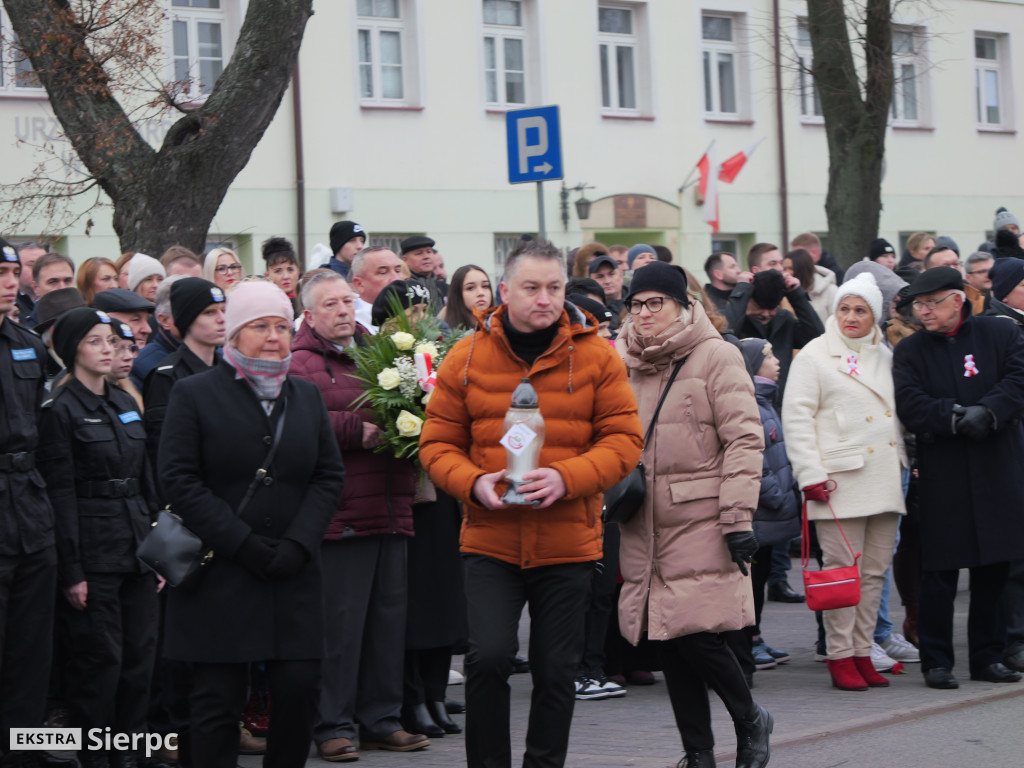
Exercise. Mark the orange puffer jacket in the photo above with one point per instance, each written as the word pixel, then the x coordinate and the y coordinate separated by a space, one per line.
pixel 593 437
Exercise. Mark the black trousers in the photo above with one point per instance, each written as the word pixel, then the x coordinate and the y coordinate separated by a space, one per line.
pixel 218 698
pixel 558 596
pixel 986 633
pixel 692 664
pixel 112 646
pixel 602 603
pixel 27 586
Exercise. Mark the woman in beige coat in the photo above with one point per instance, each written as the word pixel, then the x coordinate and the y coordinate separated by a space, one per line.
pixel 683 555
pixel 839 416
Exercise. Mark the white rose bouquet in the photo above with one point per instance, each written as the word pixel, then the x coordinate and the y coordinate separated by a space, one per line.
pixel 397 368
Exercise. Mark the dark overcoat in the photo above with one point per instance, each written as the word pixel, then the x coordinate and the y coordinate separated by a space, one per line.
pixel 215 437
pixel 971 493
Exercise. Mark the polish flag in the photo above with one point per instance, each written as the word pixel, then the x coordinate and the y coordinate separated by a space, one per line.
pixel 709 175
pixel 731 168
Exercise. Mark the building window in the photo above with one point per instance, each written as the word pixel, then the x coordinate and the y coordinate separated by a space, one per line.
pixel 723 65
pixel 990 80
pixel 726 244
pixel 199 45
pixel 390 240
pixel 504 244
pixel 382 45
pixel 810 104
pixel 16 75
pixel 908 75
pixel 504 52
pixel 617 50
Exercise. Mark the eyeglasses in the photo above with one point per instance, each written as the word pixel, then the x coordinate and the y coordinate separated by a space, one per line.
pixel 930 303
pixel 99 341
pixel 223 269
pixel 653 305
pixel 123 347
pixel 265 329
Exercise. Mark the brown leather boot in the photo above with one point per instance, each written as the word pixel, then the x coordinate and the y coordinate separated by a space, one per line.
pixel 249 744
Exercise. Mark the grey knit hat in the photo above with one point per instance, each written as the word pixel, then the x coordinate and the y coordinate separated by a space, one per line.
pixel 1004 219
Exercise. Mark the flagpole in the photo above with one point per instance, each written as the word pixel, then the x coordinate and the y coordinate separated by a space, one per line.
pixel 685 185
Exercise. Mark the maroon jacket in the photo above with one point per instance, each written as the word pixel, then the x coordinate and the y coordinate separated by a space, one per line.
pixel 378 488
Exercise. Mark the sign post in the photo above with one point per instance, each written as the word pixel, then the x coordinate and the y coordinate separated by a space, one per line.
pixel 534 151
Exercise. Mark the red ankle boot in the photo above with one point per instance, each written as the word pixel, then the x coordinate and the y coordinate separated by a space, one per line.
pixel 845 676
pixel 868 672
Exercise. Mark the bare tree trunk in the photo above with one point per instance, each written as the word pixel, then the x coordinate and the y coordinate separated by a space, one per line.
pixel 856 115
pixel 166 196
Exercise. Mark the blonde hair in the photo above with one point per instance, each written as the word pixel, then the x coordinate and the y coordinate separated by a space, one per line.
pixel 210 262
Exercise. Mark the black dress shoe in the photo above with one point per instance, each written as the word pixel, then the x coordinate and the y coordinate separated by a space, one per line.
pixel 704 758
pixel 455 707
pixel 439 715
pixel 520 666
pixel 781 592
pixel 940 677
pixel 416 719
pixel 1015 660
pixel 996 673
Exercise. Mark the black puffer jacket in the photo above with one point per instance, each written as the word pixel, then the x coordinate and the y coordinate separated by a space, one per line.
pixel 777 519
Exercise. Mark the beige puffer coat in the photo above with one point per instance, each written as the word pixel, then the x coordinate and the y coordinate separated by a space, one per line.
pixel 703 467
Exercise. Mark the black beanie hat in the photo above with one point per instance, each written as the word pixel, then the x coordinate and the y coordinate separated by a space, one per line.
pixel 662 277
pixel 1006 274
pixel 72 327
pixel 8 253
pixel 189 297
pixel 879 247
pixel 754 352
pixel 769 288
pixel 342 232
pixel 407 292
pixel 596 308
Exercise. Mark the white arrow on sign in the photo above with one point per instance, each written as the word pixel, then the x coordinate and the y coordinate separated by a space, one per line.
pixel 544 168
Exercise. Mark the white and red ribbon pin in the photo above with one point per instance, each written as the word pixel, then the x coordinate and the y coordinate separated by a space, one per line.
pixel 851 366
pixel 970 369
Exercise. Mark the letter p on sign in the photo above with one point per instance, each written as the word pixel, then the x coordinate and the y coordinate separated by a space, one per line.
pixel 534 144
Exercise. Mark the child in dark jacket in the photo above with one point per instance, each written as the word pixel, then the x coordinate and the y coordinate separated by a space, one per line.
pixel 777 519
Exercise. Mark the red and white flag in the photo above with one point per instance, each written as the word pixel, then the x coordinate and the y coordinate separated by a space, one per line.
pixel 709 172
pixel 731 168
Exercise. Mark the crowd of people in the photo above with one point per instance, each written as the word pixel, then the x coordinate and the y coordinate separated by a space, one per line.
pixel 882 403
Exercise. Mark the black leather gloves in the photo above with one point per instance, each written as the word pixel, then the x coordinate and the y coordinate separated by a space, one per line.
pixel 255 554
pixel 288 560
pixel 975 422
pixel 742 546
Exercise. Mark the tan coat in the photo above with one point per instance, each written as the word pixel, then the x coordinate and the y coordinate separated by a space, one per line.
pixel 703 467
pixel 843 427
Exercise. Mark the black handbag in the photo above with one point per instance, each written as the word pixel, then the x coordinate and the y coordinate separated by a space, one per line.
pixel 624 499
pixel 176 553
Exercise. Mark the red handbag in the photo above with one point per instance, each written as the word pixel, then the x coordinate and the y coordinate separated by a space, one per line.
pixel 835 587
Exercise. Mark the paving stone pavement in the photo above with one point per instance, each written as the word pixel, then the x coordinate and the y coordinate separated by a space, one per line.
pixel 638 731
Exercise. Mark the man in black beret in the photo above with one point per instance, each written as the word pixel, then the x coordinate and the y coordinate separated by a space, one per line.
pixel 753 311
pixel 418 254
pixel 128 307
pixel 960 389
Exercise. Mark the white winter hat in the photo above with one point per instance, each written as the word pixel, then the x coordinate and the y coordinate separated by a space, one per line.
pixel 142 266
pixel 864 286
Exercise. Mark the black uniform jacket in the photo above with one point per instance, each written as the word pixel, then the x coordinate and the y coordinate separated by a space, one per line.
pixel 87 441
pixel 971 493
pixel 216 435
pixel 26 518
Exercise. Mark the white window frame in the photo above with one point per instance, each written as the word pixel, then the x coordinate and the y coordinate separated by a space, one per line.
pixel 9 65
pixel 228 19
pixel 407 26
pixel 921 81
pixel 500 34
pixel 639 42
pixel 1002 66
pixel 740 49
pixel 806 89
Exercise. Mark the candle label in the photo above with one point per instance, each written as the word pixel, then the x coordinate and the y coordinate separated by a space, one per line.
pixel 518 438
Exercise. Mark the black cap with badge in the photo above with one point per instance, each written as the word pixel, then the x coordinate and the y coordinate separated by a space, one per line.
pixel 8 253
pixel 71 328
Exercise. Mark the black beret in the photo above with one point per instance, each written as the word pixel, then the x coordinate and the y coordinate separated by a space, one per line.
pixel 415 242
pixel 936 279
pixel 405 292
pixel 121 300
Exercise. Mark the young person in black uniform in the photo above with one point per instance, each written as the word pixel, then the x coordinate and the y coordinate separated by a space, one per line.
pixel 93 456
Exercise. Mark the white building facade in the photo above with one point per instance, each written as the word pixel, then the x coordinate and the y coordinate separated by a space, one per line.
pixel 403 108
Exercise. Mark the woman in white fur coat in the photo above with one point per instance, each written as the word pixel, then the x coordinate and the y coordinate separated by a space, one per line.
pixel 839 417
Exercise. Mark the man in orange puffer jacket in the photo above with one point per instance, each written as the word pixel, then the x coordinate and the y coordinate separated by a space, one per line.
pixel 543 553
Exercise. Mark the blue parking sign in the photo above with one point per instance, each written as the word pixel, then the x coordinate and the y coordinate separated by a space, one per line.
pixel 534 144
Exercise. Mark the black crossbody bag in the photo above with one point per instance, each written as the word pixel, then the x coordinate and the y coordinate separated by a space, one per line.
pixel 176 553
pixel 626 497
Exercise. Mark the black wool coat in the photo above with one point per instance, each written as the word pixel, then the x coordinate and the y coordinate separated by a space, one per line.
pixel 216 435
pixel 971 493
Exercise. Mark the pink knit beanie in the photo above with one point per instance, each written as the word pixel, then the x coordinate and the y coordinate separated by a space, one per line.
pixel 251 301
